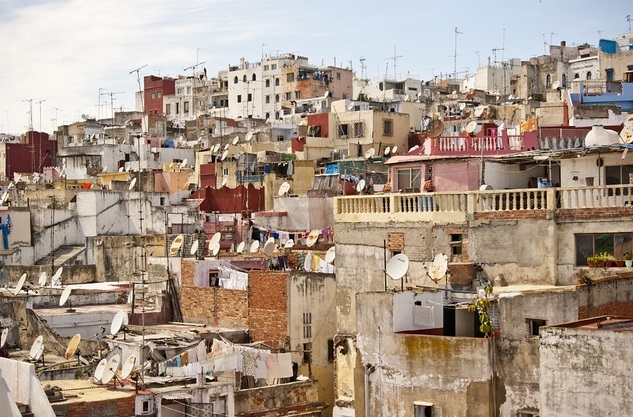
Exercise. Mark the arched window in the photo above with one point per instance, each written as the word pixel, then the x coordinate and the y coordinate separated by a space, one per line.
pixel 277 115
pixel 277 98
pixel 564 81
pixel 267 99
pixel 267 83
pixel 254 77
pixel 588 75
pixel 548 80
pixel 576 76
pixel 267 116
pixel 235 80
pixel 277 82
pixel 244 78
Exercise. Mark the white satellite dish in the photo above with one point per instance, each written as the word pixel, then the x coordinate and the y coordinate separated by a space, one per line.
pixel 224 155
pixel 249 136
pixel 283 189
pixel 555 85
pixel 350 106
pixel 462 106
pixel 194 248
pixel 471 126
pixel 394 150
pixel 330 255
pixel 36 348
pixel 57 274
pixel 98 374
pixel 326 94
pixel 240 247
pixel 398 266
pixel 111 367
pixel 64 297
pixel 117 322
pixel 289 243
pixel 387 150
pixel 438 268
pixel 479 110
pixel 4 197
pixel 269 246
pixel 121 169
pixel 360 186
pixel 312 237
pixel 215 239
pixel 406 97
pixel 42 280
pixel 128 365
pixel 72 346
pixel 216 147
pixel 176 244
pixel 254 246
pixel 183 164
pixel 236 140
pixel 215 249
pixel 130 297
pixel 226 147
pixel 20 283
pixel 132 184
pixel 369 153
pixel 224 181
pixel 3 337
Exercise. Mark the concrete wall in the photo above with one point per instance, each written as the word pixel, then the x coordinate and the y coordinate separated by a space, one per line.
pixel 257 400
pixel 410 365
pixel 25 387
pixel 584 370
pixel 303 213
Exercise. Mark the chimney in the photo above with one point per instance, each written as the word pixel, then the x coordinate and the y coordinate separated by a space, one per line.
pixel 563 44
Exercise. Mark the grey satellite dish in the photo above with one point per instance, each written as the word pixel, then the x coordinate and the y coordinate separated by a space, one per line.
pixel 64 297
pixel 360 186
pixel 269 246
pixel 130 297
pixel 42 280
pixel 132 184
pixel 369 153
pixel 20 283
pixel 127 367
pixel 330 255
pixel 283 189
pixel 111 367
pixel 98 373
pixel 289 243
pixel 117 322
pixel 462 106
pixel 3 337
pixel 439 266
pixel 194 248
pixel 398 266
pixel 387 150
pixel 240 247
pixel 254 246
pixel 236 140
pixel 224 155
pixel 36 348
pixel 471 126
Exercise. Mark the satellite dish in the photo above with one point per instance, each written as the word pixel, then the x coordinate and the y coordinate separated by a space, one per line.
pixel 98 374
pixel 269 246
pixel 64 297
pixel 406 97
pixel 117 322
pixel 216 147
pixel 462 106
pixel 57 274
pixel 360 186
pixel 236 140
pixel 130 297
pixel 42 280
pixel 72 346
pixel 387 150
pixel 36 348
pixel 226 147
pixel 132 184
pixel 183 164
pixel 436 127
pixel 470 127
pixel 194 248
pixel 128 365
pixel 215 239
pixel 3 337
pixel 485 187
pixel 283 189
pixel 111 367
pixel 289 243
pixel 4 197
pixel 369 153
pixel 398 266
pixel 176 244
pixel 330 255
pixel 350 106
pixel 248 137
pixel 479 110
pixel 394 150
pixel 224 180
pixel 121 169
pixel 215 249
pixel 555 85
pixel 312 237
pixel 224 155
pixel 240 247
pixel 326 94
pixel 254 246
pixel 438 268
pixel 20 283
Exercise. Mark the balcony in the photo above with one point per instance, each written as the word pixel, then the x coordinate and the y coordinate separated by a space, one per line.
pixel 546 203
pixel 488 145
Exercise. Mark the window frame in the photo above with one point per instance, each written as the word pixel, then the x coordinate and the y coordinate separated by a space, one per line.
pixel 581 255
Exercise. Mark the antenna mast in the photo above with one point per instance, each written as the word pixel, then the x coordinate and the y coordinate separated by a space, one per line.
pixel 112 103
pixel 455 55
pixel 395 63
pixel 138 79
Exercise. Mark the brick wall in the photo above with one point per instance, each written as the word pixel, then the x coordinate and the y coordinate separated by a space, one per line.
pixel 606 296
pixel 395 241
pixel 212 305
pixel 511 215
pixel 116 407
pixel 592 213
pixel 267 312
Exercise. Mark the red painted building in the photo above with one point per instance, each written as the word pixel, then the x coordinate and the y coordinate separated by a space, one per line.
pixel 34 153
pixel 154 89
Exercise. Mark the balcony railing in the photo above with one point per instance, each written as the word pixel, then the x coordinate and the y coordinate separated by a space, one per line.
pixel 458 205
pixel 489 145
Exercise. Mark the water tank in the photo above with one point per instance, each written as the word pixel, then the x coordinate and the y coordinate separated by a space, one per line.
pixel 599 136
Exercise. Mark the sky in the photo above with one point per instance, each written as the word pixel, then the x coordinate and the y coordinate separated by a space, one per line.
pixel 67 56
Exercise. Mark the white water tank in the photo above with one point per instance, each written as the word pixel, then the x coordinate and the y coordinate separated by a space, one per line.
pixel 599 136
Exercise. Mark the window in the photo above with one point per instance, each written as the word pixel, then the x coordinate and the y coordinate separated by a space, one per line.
pixel 277 115
pixel 273 67
pixel 180 91
pixel 177 108
pixel 576 76
pixel 266 67
pixel 239 98
pixel 456 244
pixel 307 325
pixel 288 95
pixel 153 96
pixel 277 98
pixel 533 326
pixel 548 80
pixel 188 90
pixel 409 178
pixel 244 78
pixel 225 171
pixel 280 138
pixel 528 413
pixel 167 108
pixel 344 96
pixel 330 350
pixel 277 82
pixel 159 94
pixel 267 83
pixel 387 127
pixel 214 278
pixel 290 77
pixel 297 94
pixel 358 129
pixel 589 244
pixel 185 107
pixel 307 352
pixel 609 74
pixel 342 131
pixel 235 80
pixel 338 75
pixel 254 77
pixel 267 99
pixel 564 81
pixel 619 174
pixel 588 75
pixel 267 116
pixel 250 96
pixel 423 409
pixel 162 201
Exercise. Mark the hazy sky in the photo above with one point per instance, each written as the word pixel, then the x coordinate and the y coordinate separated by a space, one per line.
pixel 64 51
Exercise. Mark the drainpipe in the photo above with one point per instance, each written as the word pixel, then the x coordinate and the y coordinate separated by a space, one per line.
pixel 368 370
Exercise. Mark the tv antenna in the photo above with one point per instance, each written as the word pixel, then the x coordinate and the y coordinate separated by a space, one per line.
pixel 478 60
pixel 395 63
pixel 455 55
pixel 363 67
pixel 628 19
pixel 111 94
pixel 138 80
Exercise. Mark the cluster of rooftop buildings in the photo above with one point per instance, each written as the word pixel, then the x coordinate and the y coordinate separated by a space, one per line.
pixel 290 239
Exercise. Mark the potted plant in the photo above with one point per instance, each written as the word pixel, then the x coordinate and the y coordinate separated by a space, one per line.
pixel 595 261
pixel 609 260
pixel 619 262
pixel 628 259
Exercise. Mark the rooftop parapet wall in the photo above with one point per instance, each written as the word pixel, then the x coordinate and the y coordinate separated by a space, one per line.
pixel 474 146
